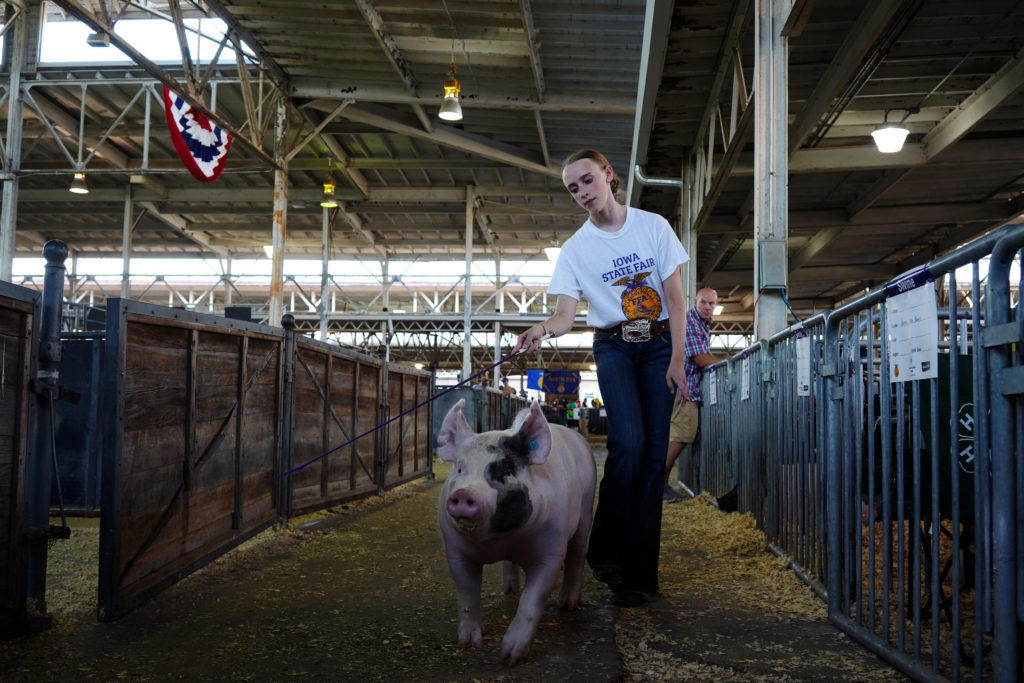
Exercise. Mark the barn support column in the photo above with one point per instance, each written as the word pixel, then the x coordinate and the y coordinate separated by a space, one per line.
pixel 467 304
pixel 325 277
pixel 688 271
pixel 500 293
pixel 385 325
pixel 497 354
pixel 771 165
pixel 227 282
pixel 15 112
pixel 126 244
pixel 280 221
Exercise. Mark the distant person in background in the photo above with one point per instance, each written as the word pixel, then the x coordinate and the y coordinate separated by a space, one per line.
pixel 683 427
pixel 584 420
pixel 506 388
pixel 572 415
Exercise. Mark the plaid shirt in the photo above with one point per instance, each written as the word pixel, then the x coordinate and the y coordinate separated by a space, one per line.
pixel 698 341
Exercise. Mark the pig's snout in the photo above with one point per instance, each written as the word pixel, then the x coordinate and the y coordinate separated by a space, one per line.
pixel 463 505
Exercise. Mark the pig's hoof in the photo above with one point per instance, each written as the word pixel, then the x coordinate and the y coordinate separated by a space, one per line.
pixel 471 638
pixel 568 603
pixel 510 586
pixel 513 649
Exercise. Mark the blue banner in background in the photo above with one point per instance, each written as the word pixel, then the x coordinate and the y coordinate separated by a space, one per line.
pixel 553 381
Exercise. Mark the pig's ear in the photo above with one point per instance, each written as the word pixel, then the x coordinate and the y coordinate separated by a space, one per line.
pixel 536 434
pixel 454 432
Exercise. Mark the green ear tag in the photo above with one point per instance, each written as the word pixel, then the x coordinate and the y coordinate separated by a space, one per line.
pixel 532 444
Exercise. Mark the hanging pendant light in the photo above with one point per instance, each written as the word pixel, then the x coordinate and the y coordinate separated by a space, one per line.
pixel 889 137
pixel 78 185
pixel 329 201
pixel 451 110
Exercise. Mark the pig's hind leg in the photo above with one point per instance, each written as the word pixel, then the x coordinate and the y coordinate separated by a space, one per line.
pixel 575 561
pixel 509 577
pixel 468 578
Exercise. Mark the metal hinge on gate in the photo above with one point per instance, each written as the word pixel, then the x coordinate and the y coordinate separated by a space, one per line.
pixel 828 370
pixel 1001 335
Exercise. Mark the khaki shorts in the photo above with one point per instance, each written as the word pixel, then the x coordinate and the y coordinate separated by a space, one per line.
pixel 683 428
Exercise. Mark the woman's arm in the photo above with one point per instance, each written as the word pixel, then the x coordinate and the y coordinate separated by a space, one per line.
pixel 676 375
pixel 557 325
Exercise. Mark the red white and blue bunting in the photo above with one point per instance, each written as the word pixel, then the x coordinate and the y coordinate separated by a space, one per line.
pixel 202 146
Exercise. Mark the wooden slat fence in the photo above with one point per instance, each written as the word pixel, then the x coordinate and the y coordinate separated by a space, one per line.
pixel 201 416
pixel 192 437
pixel 19 321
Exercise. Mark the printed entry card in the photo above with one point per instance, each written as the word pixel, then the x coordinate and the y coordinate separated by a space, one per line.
pixel 911 327
pixel 803 366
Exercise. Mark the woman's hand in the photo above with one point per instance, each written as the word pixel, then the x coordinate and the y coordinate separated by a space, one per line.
pixel 530 340
pixel 676 379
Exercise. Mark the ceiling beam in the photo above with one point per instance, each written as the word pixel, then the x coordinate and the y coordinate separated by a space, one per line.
pixel 531 42
pixel 812 274
pixel 398 61
pixel 889 178
pixel 799 13
pixel 266 60
pixel 819 241
pixel 1004 84
pixel 340 160
pixel 326 93
pixel 456 139
pixel 184 228
pixel 863 35
pixel 723 66
pixel 657 25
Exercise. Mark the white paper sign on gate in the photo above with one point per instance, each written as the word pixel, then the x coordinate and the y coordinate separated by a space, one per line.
pixel 712 387
pixel 911 327
pixel 745 380
pixel 803 366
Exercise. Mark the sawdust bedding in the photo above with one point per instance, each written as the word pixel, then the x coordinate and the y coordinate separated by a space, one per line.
pixel 704 552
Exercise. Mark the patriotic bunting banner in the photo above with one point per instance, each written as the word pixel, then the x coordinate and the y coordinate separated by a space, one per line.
pixel 202 146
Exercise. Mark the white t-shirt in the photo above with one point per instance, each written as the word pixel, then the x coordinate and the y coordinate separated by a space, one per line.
pixel 621 273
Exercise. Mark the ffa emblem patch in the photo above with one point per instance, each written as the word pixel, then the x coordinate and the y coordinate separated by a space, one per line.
pixel 202 146
pixel 639 300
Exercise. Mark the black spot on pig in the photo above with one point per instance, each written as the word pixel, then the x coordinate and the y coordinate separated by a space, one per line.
pixel 516 447
pixel 500 470
pixel 512 511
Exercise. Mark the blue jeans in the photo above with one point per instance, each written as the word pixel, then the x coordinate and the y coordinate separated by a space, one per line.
pixel 638 403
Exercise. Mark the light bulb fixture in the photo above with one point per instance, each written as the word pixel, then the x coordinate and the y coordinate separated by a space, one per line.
pixel 329 201
pixel 451 110
pixel 78 185
pixel 889 137
pixel 268 249
pixel 718 309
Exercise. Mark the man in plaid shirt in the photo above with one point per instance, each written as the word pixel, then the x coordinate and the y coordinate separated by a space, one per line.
pixel 683 428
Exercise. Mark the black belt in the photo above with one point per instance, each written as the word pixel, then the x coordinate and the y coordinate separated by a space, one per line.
pixel 632 335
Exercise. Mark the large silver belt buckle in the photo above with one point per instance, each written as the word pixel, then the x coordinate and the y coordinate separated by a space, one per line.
pixel 636 331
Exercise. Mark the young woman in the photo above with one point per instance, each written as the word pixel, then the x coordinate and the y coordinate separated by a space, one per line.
pixel 625 261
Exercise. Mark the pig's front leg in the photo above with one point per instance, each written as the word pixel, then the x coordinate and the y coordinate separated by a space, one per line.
pixel 540 578
pixel 468 577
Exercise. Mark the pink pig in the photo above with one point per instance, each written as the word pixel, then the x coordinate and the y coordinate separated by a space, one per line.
pixel 523 496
